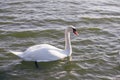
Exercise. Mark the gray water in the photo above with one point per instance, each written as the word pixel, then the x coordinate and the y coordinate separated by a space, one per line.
pixel 24 23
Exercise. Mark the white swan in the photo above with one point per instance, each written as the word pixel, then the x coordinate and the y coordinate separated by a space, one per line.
pixel 46 52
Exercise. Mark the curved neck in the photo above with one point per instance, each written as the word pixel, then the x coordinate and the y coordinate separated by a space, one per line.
pixel 68 48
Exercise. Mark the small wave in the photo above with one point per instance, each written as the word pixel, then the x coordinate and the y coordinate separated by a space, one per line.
pixel 31 34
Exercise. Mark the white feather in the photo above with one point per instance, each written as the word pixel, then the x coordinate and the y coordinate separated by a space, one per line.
pixel 19 54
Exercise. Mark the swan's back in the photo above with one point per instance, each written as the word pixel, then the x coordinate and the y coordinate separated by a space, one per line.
pixel 40 47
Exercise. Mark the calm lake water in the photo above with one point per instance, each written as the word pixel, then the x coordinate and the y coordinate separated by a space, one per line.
pixel 24 23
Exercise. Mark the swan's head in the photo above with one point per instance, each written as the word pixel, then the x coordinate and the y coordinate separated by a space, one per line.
pixel 73 29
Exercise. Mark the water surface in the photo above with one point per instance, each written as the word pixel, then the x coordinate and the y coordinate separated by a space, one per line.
pixel 95 56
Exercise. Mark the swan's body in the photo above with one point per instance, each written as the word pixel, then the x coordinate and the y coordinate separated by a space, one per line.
pixel 46 52
pixel 41 53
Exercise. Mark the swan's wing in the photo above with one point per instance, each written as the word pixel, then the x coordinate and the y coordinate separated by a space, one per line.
pixel 57 53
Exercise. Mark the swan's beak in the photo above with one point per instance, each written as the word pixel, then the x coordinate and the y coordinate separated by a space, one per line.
pixel 76 33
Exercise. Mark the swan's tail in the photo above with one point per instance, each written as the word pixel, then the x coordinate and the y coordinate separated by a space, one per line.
pixel 19 54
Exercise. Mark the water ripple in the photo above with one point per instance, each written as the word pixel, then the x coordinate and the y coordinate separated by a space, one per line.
pixel 28 22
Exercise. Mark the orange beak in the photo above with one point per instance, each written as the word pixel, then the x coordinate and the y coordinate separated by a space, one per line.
pixel 76 33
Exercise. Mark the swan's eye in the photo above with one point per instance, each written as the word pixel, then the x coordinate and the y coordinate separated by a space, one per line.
pixel 74 30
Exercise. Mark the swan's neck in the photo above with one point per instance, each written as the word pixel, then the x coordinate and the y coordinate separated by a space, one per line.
pixel 68 48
